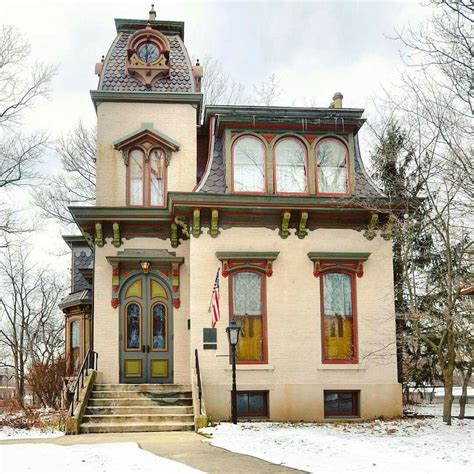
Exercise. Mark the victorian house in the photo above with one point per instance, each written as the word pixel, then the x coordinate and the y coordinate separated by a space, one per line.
pixel 279 200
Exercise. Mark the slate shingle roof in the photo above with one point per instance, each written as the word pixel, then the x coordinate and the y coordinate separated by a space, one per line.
pixel 73 299
pixel 215 181
pixel 115 77
pixel 82 260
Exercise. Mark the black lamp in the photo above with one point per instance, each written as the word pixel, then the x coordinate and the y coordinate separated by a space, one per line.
pixel 233 334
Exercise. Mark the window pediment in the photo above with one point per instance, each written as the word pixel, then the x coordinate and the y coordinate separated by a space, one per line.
pixel 329 261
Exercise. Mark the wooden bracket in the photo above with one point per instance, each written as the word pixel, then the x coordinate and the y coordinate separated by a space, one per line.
pixel 214 230
pixel 370 232
pixel 180 221
pixel 117 241
pixel 302 231
pixel 99 236
pixel 174 235
pixel 285 221
pixel 196 223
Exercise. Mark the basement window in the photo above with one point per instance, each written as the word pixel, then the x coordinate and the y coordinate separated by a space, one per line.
pixel 341 403
pixel 252 404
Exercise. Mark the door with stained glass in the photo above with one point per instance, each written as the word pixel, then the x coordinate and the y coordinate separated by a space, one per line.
pixel 146 331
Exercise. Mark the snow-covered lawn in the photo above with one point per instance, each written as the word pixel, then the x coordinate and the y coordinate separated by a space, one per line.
pixel 12 433
pixel 408 445
pixel 113 457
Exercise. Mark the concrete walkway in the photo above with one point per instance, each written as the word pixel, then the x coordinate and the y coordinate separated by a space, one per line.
pixel 184 447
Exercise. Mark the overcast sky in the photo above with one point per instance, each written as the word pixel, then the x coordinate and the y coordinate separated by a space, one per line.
pixel 314 48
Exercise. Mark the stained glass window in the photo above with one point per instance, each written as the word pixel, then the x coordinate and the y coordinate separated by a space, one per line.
pixel 159 327
pixel 290 165
pixel 249 165
pixel 337 314
pixel 247 311
pixel 332 167
pixel 133 325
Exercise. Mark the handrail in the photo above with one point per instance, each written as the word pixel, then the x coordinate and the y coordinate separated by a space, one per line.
pixel 199 382
pixel 90 362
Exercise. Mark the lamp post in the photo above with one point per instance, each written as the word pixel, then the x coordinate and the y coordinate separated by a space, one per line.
pixel 233 333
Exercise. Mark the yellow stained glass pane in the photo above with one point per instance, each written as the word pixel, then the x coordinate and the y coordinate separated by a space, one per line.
pixel 135 289
pixel 339 338
pixel 157 290
pixel 250 345
pixel 133 368
pixel 159 368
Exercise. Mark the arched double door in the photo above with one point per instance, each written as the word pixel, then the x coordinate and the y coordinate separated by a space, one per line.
pixel 146 331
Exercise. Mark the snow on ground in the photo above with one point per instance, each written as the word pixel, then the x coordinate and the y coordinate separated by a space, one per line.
pixel 12 433
pixel 113 457
pixel 408 445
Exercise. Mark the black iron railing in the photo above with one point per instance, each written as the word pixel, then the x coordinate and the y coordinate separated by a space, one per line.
pixel 198 376
pixel 89 362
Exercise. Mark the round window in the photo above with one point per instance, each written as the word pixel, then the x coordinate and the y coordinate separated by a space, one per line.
pixel 148 52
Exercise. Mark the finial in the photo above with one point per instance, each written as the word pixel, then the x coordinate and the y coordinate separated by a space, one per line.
pixel 152 13
pixel 103 59
pixel 197 62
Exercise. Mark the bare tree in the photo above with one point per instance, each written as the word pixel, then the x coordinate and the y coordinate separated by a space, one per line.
pixel 76 185
pixel 30 328
pixel 267 92
pixel 21 87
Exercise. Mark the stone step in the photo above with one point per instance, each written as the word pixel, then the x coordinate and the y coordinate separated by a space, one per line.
pixel 139 410
pixel 134 418
pixel 144 394
pixel 141 387
pixel 135 427
pixel 142 401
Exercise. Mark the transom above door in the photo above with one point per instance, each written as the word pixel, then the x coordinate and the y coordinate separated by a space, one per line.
pixel 146 331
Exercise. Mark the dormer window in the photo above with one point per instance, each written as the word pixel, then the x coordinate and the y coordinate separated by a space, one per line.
pixel 332 164
pixel 290 167
pixel 136 166
pixel 248 165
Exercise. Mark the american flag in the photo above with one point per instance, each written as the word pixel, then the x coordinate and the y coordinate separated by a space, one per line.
pixel 216 313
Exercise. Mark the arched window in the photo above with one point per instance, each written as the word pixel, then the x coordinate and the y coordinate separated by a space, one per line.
pixel 337 315
pixel 157 177
pixel 290 166
pixel 332 164
pixel 248 161
pixel 135 176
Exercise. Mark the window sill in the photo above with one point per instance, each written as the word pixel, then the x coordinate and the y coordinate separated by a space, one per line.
pixel 340 367
pixel 252 367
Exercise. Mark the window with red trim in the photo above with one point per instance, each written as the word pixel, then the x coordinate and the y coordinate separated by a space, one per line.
pixel 247 308
pixel 248 165
pixel 338 317
pixel 332 160
pixel 146 177
pixel 290 166
pixel 252 404
pixel 341 403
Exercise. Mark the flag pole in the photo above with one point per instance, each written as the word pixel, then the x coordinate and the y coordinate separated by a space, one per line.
pixel 213 289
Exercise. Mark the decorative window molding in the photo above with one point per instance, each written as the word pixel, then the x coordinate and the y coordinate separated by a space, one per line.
pixel 351 262
pixel 236 261
pixel 148 54
pixel 167 262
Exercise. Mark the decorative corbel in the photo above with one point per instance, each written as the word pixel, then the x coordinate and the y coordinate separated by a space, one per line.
pixel 99 236
pixel 360 270
pixel 174 235
pixel 269 270
pixel 182 224
pixel 117 242
pixel 89 237
pixel 214 230
pixel 225 268
pixel 115 285
pixel 285 221
pixel 302 231
pixel 125 156
pixel 370 232
pixel 317 268
pixel 196 223
pixel 387 232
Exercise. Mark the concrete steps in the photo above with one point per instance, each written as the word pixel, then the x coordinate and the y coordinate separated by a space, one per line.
pixel 121 408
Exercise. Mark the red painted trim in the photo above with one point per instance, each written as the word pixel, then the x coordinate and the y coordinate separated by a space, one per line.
pixel 129 177
pixel 264 165
pixel 275 181
pixel 348 169
pixel 209 157
pixel 355 404
pixel 165 180
pixel 354 359
pixel 264 313
pixel 125 331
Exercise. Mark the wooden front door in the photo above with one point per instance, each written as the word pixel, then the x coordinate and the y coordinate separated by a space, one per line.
pixel 146 331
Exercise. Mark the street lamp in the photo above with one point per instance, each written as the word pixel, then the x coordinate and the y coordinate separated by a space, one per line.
pixel 233 333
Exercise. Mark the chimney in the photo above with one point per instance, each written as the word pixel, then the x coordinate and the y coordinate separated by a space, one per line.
pixel 337 100
pixel 198 73
pixel 152 13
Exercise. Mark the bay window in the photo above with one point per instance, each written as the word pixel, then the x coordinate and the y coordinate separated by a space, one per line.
pixel 332 163
pixel 290 167
pixel 337 313
pixel 248 165
pixel 248 310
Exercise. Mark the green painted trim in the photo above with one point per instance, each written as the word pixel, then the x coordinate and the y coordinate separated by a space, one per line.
pixel 117 241
pixel 285 221
pixel 99 236
pixel 169 27
pixel 214 230
pixel 247 255
pixel 192 98
pixel 152 256
pixel 174 235
pixel 147 127
pixel 72 239
pixel 196 223
pixel 356 256
pixel 302 232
